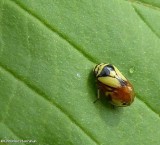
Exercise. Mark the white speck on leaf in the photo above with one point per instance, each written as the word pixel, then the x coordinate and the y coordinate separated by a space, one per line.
pixel 78 75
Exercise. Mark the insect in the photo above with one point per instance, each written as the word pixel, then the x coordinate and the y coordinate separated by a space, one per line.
pixel 112 84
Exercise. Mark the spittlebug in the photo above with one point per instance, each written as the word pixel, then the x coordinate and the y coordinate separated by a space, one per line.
pixel 113 85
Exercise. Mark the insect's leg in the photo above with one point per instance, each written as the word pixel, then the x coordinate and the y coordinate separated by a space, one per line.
pixel 98 96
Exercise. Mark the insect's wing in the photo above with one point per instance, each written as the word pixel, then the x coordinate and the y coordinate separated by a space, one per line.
pixel 109 81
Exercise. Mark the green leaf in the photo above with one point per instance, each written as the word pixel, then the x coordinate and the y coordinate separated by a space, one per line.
pixel 47 52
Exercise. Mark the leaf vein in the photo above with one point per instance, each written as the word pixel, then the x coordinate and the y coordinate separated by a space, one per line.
pixel 43 95
pixel 56 31
pixel 149 106
pixel 145 4
pixel 143 19
pixel 9 102
pixel 12 131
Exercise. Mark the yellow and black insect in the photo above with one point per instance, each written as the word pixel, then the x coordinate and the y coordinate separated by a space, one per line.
pixel 114 85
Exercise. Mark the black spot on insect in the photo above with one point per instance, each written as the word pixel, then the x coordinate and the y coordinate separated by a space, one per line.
pixel 124 103
pixel 122 82
pixel 110 67
pixel 106 71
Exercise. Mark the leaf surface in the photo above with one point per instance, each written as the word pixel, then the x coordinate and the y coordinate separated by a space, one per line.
pixel 47 52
